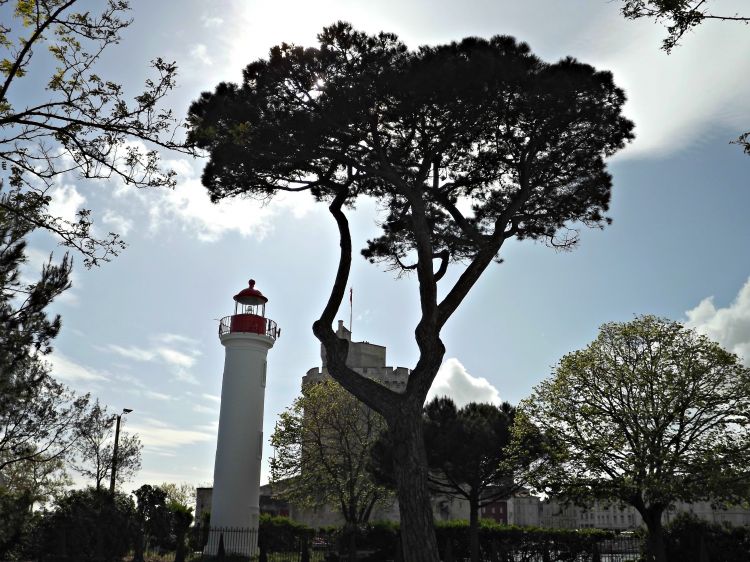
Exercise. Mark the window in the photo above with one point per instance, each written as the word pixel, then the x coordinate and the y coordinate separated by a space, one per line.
pixel 263 375
pixel 260 445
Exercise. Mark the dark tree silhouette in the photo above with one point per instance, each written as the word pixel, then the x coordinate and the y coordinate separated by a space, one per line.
pixel 648 414
pixel 25 328
pixel 464 145
pixel 154 519
pixel 39 418
pixel 81 122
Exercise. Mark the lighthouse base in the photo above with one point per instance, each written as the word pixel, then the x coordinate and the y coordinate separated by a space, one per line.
pixel 232 542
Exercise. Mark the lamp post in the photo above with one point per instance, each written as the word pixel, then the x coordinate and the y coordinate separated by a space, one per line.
pixel 113 471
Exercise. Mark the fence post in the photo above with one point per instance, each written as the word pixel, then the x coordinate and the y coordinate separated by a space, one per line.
pixel 448 548
pixel 703 556
pixel 595 554
pixel 305 550
pixel 399 554
pixel 221 553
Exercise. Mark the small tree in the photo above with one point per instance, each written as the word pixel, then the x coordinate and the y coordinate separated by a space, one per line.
pixel 182 493
pixel 322 449
pixel 464 146
pixel 181 517
pixel 648 414
pixel 153 519
pixel 95 446
pixel 81 122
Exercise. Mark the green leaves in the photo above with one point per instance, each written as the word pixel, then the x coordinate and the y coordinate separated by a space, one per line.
pixel 322 448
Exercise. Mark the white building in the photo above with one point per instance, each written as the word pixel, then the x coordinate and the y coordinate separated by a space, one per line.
pixel 616 516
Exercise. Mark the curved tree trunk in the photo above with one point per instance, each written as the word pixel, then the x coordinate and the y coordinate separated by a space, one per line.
pixel 410 468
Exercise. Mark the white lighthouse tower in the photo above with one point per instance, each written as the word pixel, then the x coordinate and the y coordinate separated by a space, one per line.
pixel 247 336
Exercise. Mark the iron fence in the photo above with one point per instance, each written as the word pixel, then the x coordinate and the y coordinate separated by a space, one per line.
pixel 204 544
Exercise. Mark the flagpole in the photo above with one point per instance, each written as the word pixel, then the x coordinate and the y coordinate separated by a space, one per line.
pixel 351 307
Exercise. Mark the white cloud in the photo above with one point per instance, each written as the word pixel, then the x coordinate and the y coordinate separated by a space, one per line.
pixel 65 202
pixel 211 397
pixel 158 395
pixel 65 369
pixel 730 326
pixel 176 358
pixel 201 409
pixel 212 21
pixel 119 224
pixel 160 435
pixel 189 207
pixel 175 338
pixel 132 352
pixel 185 376
pixel 200 53
pixel 673 98
pixel 454 381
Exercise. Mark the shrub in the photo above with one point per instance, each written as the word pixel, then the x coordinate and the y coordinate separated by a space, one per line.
pixel 690 539
pixel 279 534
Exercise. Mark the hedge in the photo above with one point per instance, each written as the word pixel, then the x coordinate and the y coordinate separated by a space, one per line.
pixel 381 539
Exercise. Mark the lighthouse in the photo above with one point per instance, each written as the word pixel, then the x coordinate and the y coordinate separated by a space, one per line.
pixel 247 335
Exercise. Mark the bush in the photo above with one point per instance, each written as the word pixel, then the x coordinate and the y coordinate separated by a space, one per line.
pixel 281 534
pixel 381 538
pixel 87 526
pixel 690 539
pixel 16 523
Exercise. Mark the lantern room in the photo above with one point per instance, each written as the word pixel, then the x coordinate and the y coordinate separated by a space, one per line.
pixel 249 314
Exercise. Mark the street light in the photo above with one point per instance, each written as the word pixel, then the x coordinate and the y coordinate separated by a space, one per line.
pixel 114 452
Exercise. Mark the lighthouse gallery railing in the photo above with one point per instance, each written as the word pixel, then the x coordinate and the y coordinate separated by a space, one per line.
pixel 262 326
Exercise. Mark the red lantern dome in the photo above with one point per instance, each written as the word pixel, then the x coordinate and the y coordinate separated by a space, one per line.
pixel 251 295
pixel 249 314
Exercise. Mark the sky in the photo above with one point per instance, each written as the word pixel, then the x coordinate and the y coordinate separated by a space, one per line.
pixel 141 332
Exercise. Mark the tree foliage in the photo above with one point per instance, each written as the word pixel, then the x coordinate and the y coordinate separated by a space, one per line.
pixel 648 414
pixel 182 493
pixel 39 418
pixel 25 328
pixel 81 122
pixel 322 449
pixel 464 146
pixel 95 446
pixel 153 519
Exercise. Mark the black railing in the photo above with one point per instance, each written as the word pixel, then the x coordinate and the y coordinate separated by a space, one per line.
pixel 262 326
